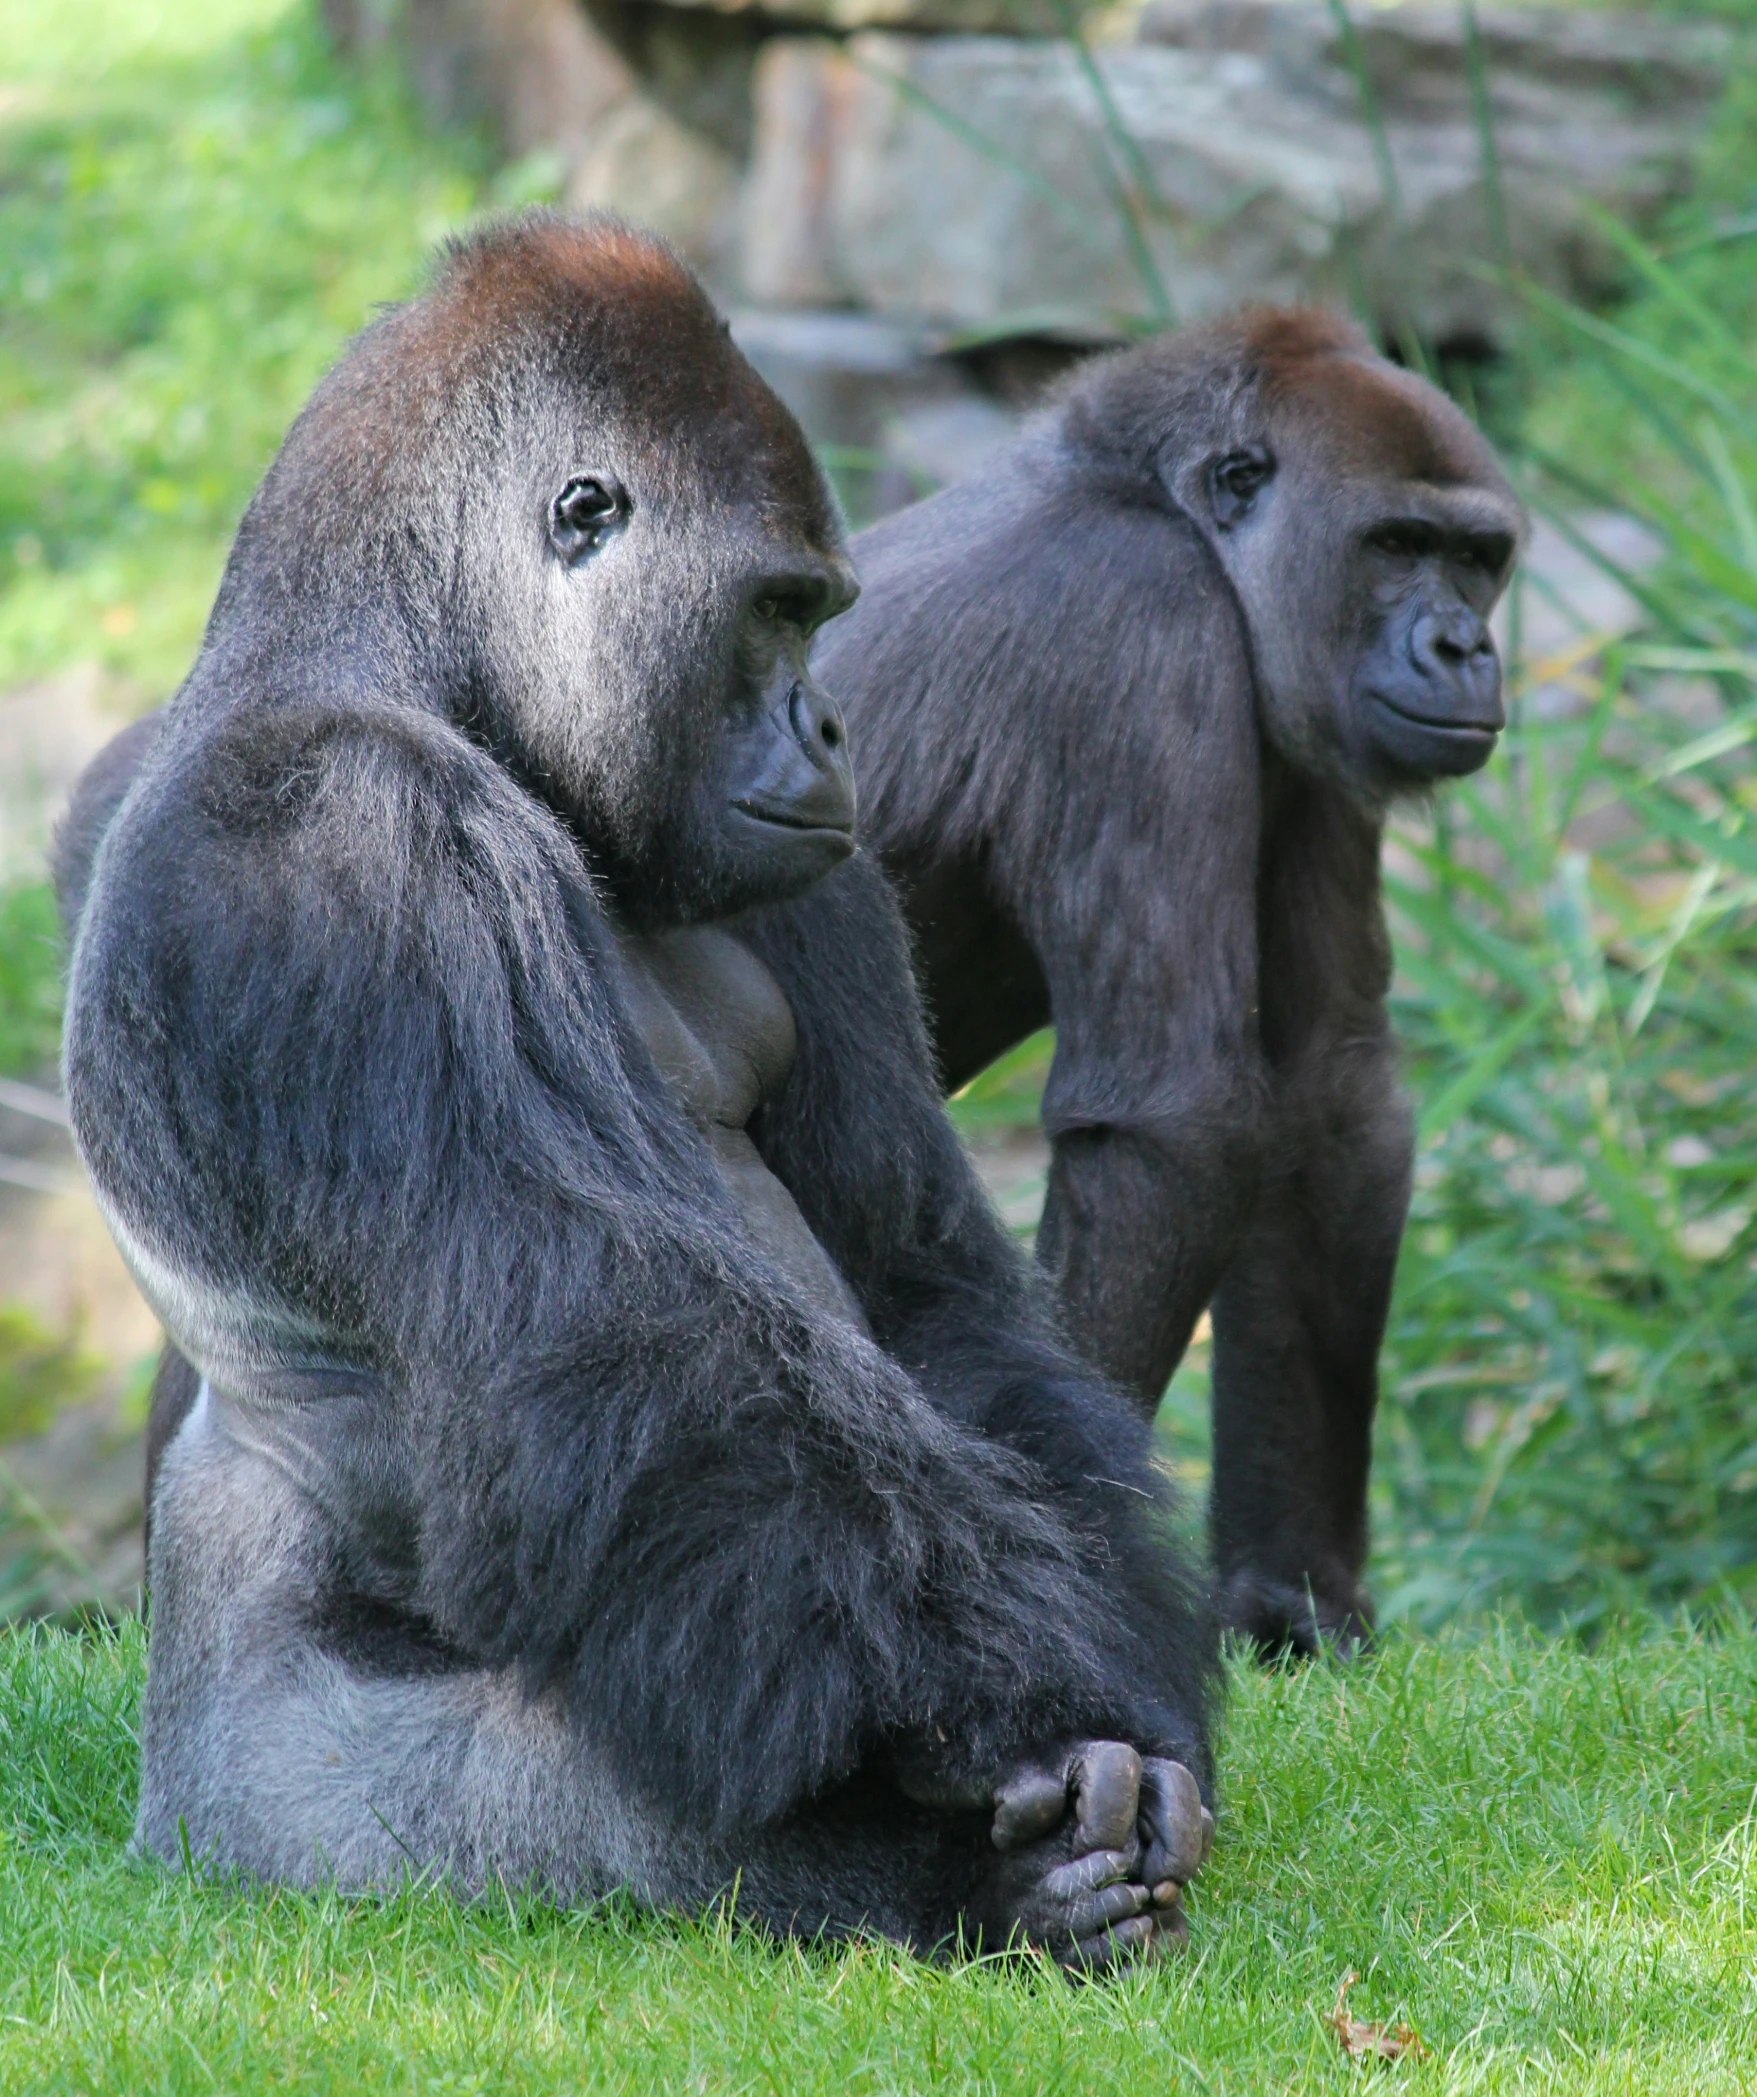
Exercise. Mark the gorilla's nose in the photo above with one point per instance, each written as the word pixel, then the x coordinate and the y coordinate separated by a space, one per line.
pixel 797 772
pixel 1454 654
pixel 826 800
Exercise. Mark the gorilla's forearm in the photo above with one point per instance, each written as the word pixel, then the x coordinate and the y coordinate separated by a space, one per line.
pixel 755 1590
pixel 1138 1225
pixel 1299 1317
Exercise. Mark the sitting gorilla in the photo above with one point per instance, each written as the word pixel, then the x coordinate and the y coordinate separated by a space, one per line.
pixel 610 1440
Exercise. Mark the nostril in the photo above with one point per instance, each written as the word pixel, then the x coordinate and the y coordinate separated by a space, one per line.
pixel 831 734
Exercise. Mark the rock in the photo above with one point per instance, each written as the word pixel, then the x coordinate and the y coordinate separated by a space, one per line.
pixel 959 179
pixel 648 110
pixel 1416 54
pixel 644 164
pixel 538 73
pixel 70 1515
pixel 892 419
pixel 1013 1165
pixel 49 730
pixel 1015 17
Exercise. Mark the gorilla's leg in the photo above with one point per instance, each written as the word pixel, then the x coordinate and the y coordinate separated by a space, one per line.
pixel 175 1385
pixel 1298 1322
pixel 318 1751
pixel 343 1745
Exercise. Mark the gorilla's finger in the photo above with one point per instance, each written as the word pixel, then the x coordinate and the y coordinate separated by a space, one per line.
pixel 1099 1867
pixel 1104 1909
pixel 1028 1804
pixel 1125 1945
pixel 1107 1792
pixel 1172 1817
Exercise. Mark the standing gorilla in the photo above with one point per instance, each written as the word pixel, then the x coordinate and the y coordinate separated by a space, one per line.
pixel 618 1446
pixel 1128 709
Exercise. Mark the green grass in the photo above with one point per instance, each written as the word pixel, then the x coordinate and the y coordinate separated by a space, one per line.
pixel 197 207
pixel 30 977
pixel 1540 1857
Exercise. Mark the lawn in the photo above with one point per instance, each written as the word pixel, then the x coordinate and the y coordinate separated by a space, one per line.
pixel 1540 1858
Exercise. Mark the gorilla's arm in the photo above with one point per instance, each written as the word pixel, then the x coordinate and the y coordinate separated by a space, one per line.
pixel 97 794
pixel 349 1063
pixel 859 1135
pixel 1300 1312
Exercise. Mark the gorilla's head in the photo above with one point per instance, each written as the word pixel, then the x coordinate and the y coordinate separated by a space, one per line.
pixel 602 544
pixel 1365 527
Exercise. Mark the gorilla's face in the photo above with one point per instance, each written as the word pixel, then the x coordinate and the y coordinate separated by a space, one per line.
pixel 1369 534
pixel 668 556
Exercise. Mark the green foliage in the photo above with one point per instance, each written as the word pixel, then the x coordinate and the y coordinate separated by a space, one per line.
pixel 30 977
pixel 194 215
pixel 1708 252
pixel 1540 1857
pixel 39 1371
pixel 1007 1093
pixel 1572 1369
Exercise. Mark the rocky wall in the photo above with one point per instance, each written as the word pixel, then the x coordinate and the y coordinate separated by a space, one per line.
pixel 946 164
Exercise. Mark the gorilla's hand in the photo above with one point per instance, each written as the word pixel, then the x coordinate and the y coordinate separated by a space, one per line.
pixel 1278 1617
pixel 1096 1846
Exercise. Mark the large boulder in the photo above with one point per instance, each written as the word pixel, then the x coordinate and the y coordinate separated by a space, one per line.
pixel 978 181
pixel 1014 17
pixel 645 110
pixel 537 74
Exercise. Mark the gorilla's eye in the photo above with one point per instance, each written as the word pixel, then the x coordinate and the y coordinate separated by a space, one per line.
pixel 1489 551
pixel 767 608
pixel 1412 541
pixel 583 512
pixel 1235 482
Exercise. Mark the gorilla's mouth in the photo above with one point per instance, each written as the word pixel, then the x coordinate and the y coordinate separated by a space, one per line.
pixel 782 817
pixel 1441 724
pixel 1425 746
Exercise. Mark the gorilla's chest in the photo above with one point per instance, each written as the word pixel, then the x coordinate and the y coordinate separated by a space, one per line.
pixel 718 1026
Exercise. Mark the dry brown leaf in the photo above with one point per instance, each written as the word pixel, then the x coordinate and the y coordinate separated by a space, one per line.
pixel 1364 2041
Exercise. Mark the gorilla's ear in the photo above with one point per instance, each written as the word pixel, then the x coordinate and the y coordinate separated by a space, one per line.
pixel 591 505
pixel 1235 482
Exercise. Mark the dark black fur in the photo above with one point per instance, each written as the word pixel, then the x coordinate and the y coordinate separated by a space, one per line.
pixel 1127 708
pixel 352 1067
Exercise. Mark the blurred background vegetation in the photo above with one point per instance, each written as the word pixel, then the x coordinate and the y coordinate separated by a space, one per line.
pixel 199 203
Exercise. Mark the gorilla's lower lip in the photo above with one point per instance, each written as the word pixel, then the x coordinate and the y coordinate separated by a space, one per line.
pixel 786 819
pixel 1471 731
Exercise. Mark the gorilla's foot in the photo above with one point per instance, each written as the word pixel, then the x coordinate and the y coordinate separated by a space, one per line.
pixel 1279 1617
pixel 1096 1846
